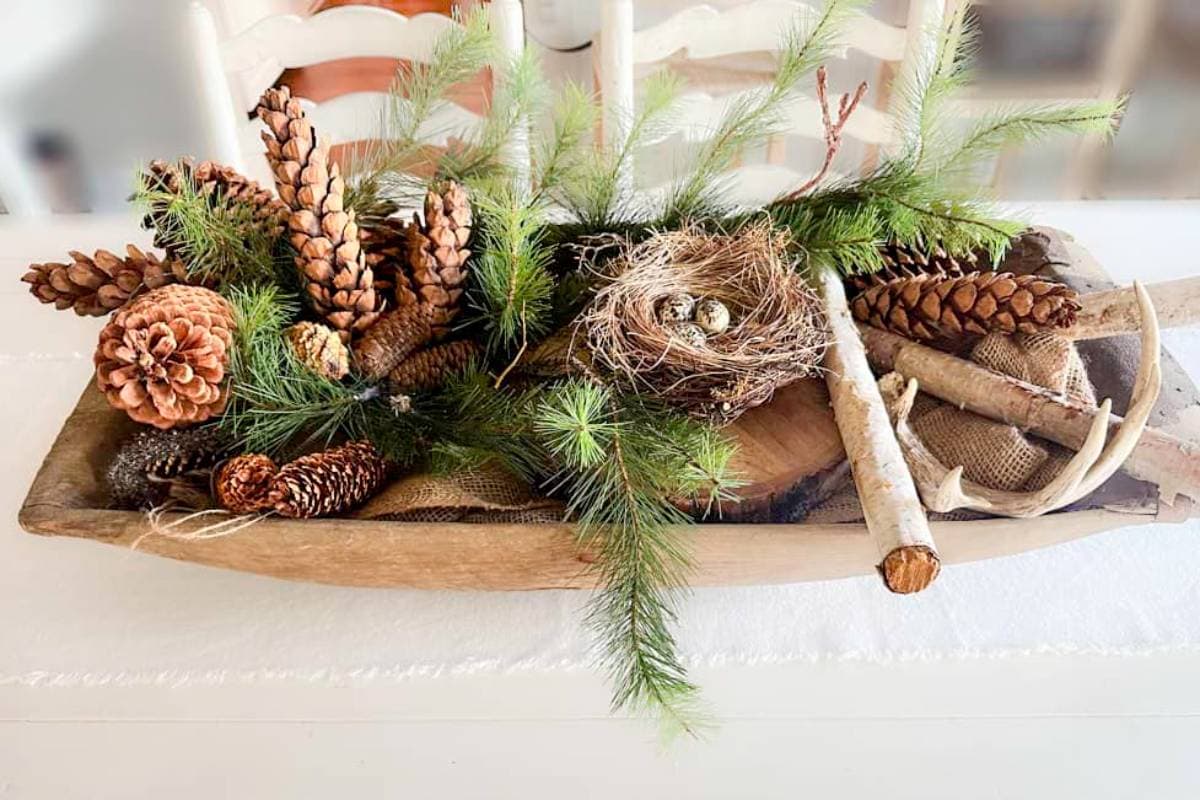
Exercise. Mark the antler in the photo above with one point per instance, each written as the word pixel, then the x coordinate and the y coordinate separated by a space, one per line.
pixel 1095 462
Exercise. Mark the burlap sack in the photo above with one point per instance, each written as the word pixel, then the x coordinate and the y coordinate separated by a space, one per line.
pixel 488 494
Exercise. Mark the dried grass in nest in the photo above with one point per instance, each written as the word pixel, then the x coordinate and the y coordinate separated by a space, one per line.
pixel 777 333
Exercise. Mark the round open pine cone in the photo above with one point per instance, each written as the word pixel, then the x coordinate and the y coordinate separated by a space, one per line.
pixel 97 285
pixel 162 358
pixel 243 483
pixel 437 252
pixel 931 308
pixel 328 482
pixel 338 282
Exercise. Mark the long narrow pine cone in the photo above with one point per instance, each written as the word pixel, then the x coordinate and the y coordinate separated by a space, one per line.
pixel 931 308
pixel 908 261
pixel 428 369
pixel 96 285
pixel 437 252
pixel 217 182
pixel 339 283
pixel 393 338
pixel 328 482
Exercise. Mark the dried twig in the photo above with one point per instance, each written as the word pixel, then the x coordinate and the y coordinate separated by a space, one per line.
pixel 833 130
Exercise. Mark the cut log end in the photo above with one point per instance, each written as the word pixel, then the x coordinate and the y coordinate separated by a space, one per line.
pixel 910 569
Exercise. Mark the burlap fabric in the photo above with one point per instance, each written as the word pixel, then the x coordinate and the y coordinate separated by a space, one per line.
pixel 485 495
pixel 991 453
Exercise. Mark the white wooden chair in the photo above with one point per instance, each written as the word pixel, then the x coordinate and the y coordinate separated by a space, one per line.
pixel 703 31
pixel 233 70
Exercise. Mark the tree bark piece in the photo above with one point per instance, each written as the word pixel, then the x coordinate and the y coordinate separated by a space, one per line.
pixel 891 507
pixel 1160 458
pixel 1115 311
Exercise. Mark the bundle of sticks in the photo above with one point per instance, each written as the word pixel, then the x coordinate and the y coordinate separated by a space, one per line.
pixel 897 479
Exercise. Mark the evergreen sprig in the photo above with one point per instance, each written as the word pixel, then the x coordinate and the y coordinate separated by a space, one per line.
pixel 218 238
pixel 513 289
pixel 621 460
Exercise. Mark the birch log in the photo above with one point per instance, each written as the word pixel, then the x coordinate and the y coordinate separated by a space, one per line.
pixel 1160 458
pixel 1115 311
pixel 891 507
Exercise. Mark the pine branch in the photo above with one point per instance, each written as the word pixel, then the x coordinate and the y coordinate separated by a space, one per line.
pixel 513 289
pixel 595 196
pixel 557 158
pixel 218 238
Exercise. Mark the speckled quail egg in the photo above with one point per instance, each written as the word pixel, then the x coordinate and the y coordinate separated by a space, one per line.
pixel 712 316
pixel 688 332
pixel 677 307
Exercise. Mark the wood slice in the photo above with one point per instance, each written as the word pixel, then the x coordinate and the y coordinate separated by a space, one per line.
pixel 790 453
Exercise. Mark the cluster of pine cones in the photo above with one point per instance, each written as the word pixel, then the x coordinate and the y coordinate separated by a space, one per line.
pixel 928 295
pixel 348 273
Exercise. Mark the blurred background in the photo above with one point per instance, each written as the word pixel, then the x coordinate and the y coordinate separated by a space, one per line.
pixel 90 89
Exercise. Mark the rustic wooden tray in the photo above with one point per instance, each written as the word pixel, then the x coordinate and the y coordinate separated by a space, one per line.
pixel 68 498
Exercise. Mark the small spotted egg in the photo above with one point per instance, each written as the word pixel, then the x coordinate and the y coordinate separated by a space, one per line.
pixel 688 332
pixel 712 316
pixel 677 307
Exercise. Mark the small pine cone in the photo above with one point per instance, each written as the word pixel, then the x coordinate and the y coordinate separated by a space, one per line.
pixel 931 308
pixel 243 483
pixel 320 349
pixel 155 466
pixel 163 357
pixel 428 369
pixel 388 342
pixel 908 261
pixel 437 252
pixel 221 184
pixel 328 482
pixel 338 282
pixel 386 246
pixel 98 285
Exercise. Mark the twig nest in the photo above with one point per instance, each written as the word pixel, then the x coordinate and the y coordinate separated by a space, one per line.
pixel 712 316
pixel 764 324
pixel 678 307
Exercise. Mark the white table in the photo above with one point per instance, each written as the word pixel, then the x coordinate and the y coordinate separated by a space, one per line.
pixel 126 675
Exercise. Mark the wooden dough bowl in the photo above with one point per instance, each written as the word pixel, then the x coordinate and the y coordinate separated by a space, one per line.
pixel 789 449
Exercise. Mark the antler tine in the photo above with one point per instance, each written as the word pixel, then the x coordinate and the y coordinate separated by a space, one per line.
pixel 1096 460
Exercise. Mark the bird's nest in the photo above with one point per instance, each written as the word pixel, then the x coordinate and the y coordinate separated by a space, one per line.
pixel 777 332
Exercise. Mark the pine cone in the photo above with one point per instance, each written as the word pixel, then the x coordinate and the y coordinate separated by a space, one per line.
pixel 428 369
pixel 320 349
pixel 220 184
pixel 163 357
pixel 155 466
pixel 339 284
pixel 386 246
pixel 328 482
pixel 397 334
pixel 243 483
pixel 931 308
pixel 96 286
pixel 908 261
pixel 437 252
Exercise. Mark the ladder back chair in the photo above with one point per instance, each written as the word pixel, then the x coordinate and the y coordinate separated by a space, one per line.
pixel 233 71
pixel 704 32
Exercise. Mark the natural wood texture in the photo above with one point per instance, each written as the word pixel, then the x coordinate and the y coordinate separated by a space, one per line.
pixel 789 452
pixel 891 507
pixel 1115 311
pixel 1160 458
